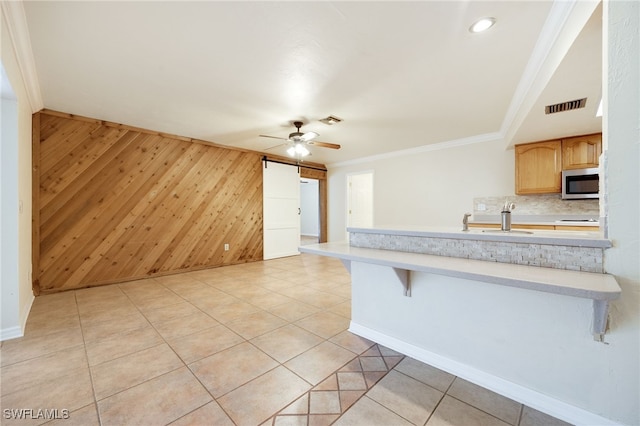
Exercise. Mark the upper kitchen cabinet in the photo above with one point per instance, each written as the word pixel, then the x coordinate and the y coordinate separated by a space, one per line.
pixel 539 168
pixel 581 152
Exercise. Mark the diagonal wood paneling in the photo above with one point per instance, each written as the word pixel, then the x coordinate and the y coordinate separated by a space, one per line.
pixel 117 203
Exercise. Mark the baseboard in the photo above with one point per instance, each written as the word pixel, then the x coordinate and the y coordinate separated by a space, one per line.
pixel 18 330
pixel 531 398
pixel 11 333
pixel 25 312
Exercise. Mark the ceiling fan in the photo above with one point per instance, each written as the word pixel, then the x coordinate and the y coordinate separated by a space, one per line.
pixel 298 140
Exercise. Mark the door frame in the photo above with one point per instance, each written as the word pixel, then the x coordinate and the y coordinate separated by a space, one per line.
pixel 348 177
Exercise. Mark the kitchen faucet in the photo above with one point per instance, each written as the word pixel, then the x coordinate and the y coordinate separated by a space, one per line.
pixel 465 222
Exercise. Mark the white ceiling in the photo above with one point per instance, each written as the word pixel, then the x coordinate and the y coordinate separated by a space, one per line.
pixel 401 74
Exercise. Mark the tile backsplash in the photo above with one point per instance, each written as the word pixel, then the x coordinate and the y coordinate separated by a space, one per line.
pixel 543 204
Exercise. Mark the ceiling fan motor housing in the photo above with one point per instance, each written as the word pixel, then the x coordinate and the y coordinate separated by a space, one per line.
pixel 295 136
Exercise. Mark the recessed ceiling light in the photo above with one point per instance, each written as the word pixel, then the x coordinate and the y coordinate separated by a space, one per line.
pixel 482 25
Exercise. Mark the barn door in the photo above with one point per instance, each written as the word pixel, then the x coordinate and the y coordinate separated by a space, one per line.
pixel 281 199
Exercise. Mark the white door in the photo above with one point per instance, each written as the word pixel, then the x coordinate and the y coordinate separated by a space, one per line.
pixel 360 200
pixel 281 214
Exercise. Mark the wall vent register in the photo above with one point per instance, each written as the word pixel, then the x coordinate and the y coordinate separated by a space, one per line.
pixel 565 106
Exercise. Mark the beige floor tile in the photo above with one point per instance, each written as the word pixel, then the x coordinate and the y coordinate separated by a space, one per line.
pixel 293 311
pixel 70 392
pixel 405 396
pixel 286 342
pixel 46 324
pixel 201 344
pixel 167 313
pixel 119 310
pixel 322 419
pixel 276 284
pixel 497 405
pixel 121 373
pixel 343 309
pixel 183 326
pixel 28 347
pixel 299 406
pixel 350 341
pixel 351 381
pixel 318 363
pixel 232 311
pixel 209 414
pixel 264 396
pixel 268 300
pixel 324 324
pixel 248 291
pixel 122 344
pixel 531 417
pixel 147 289
pixel 330 383
pixel 290 420
pixel 324 402
pixel 226 370
pixel 323 300
pixel 373 363
pixel 451 412
pixel 370 413
pixel 98 293
pixel 157 401
pixel 85 416
pixel 167 300
pixel 25 374
pixel 349 397
pixel 106 329
pixel 186 288
pixel 425 373
pixel 52 306
pixel 256 324
pixel 211 299
pixel 107 302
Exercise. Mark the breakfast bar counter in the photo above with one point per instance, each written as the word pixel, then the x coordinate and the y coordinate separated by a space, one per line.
pixel 563 263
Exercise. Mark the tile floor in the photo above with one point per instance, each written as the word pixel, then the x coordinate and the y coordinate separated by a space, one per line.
pixel 264 343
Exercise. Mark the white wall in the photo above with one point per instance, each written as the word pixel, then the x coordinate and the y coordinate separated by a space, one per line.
pixel 537 342
pixel 433 188
pixel 310 208
pixel 621 125
pixel 21 188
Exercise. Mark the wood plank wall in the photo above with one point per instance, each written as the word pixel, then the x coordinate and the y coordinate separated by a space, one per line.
pixel 114 203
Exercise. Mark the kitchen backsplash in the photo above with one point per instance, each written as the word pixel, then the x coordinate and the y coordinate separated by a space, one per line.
pixel 544 204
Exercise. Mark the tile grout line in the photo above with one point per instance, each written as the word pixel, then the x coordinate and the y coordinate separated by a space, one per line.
pixel 84 345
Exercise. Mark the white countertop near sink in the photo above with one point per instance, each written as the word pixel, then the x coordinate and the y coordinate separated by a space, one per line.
pixel 556 220
pixel 564 238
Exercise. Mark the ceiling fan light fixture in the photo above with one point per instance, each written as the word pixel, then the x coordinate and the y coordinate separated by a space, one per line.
pixel 298 150
pixel 482 25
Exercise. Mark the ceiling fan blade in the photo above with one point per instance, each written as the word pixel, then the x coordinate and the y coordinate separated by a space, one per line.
pixel 273 137
pixel 308 136
pixel 324 144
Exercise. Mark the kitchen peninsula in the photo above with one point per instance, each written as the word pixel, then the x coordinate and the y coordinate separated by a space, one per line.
pixel 488 306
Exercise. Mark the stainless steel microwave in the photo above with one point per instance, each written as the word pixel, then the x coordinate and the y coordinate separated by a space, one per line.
pixel 580 184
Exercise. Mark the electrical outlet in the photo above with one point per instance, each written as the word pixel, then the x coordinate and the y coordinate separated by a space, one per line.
pixel 481 207
pixel 226 247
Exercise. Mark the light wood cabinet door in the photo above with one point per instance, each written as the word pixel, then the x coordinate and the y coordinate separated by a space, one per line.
pixel 539 168
pixel 581 152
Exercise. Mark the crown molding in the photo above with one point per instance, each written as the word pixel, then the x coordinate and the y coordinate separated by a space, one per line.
pixel 486 137
pixel 561 28
pixel 16 21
